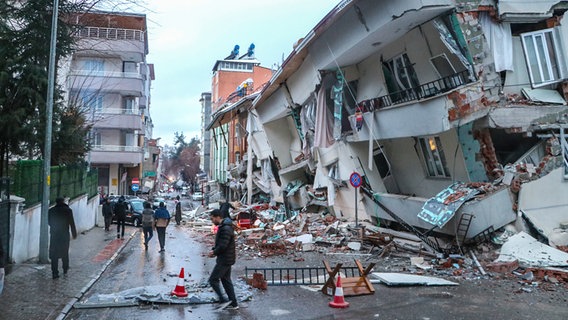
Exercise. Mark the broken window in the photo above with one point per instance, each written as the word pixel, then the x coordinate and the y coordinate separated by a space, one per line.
pixel 433 156
pixel 400 78
pixel 543 57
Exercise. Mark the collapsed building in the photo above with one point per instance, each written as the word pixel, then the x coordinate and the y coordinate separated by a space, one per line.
pixel 453 112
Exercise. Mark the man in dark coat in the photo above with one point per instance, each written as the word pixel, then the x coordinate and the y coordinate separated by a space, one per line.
pixel 120 212
pixel 60 219
pixel 224 208
pixel 107 213
pixel 178 210
pixel 224 250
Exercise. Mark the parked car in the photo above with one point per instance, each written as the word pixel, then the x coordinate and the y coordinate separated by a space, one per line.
pixel 197 196
pixel 134 208
pixel 156 202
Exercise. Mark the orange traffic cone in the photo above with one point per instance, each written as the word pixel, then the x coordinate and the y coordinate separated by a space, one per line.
pixel 179 291
pixel 338 299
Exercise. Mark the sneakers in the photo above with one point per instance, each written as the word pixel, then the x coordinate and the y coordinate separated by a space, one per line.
pixel 232 307
pixel 223 304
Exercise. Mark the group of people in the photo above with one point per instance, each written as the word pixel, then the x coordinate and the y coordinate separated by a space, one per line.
pixel 60 219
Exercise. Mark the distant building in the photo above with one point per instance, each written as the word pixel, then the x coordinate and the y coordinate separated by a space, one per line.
pixel 234 78
pixel 109 76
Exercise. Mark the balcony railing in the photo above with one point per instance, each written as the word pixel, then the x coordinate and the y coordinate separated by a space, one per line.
pixel 113 148
pixel 111 33
pixel 134 111
pixel 423 91
pixel 106 74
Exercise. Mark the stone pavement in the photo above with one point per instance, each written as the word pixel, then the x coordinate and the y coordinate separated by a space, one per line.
pixel 31 293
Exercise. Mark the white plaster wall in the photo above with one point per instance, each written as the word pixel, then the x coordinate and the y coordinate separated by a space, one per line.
pixel 273 108
pixel 283 139
pixel 84 212
pixel 408 169
pixel 25 234
pixel 303 82
pixel 371 79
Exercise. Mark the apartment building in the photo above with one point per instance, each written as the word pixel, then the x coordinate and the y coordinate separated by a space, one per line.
pixel 452 111
pixel 234 78
pixel 109 76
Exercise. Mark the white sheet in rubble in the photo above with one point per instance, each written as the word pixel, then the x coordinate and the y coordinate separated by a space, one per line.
pixel 402 279
pixel 305 238
pixel 531 253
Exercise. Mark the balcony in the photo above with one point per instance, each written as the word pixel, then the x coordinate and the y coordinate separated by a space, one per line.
pixel 116 154
pixel 428 109
pixel 427 90
pixel 128 43
pixel 118 118
pixel 126 83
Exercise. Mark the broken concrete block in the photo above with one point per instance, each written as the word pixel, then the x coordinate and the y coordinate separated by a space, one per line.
pixel 356 246
pixel 503 267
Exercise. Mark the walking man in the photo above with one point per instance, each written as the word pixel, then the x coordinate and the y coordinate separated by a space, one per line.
pixel 162 218
pixel 147 223
pixel 224 250
pixel 107 213
pixel 178 211
pixel 120 212
pixel 60 219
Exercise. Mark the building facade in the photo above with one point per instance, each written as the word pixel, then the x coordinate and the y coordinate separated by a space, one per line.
pixel 108 75
pixel 205 160
pixel 422 98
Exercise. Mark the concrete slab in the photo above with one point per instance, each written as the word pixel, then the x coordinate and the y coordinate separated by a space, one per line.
pixel 531 253
pixel 402 279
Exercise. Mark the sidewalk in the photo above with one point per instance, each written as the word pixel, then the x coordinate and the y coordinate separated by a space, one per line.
pixel 31 293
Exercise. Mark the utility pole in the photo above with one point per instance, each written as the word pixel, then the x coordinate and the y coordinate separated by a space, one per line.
pixel 43 232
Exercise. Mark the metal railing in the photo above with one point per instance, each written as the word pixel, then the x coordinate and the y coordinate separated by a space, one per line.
pixel 111 33
pixel 426 90
pixel 106 74
pixel 134 111
pixel 298 276
pixel 115 148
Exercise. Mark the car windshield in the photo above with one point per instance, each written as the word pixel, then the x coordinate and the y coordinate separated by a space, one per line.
pixel 137 205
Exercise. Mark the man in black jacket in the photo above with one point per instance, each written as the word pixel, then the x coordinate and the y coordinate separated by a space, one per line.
pixel 120 213
pixel 107 213
pixel 224 250
pixel 60 220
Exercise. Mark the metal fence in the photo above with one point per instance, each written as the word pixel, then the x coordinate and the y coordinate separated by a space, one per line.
pixel 66 181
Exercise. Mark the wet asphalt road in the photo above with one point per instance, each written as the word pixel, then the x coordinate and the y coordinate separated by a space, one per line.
pixel 473 299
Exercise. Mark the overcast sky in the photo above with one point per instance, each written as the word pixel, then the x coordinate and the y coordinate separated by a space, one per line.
pixel 186 37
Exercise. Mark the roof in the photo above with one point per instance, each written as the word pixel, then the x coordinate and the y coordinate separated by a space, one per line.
pixel 219 118
pixel 251 61
pixel 299 53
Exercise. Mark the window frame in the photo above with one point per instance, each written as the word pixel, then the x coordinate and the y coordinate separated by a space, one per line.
pixel 432 168
pixel 546 63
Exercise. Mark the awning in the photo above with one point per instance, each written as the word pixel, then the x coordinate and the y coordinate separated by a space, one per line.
pixel 228 112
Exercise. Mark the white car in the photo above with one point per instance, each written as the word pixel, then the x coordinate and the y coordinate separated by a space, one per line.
pixel 197 196
pixel 156 202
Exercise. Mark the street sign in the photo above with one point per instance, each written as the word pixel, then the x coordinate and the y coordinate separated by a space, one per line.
pixel 135 181
pixel 135 187
pixel 355 180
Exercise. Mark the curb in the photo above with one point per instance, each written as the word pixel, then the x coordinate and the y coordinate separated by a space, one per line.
pixel 88 286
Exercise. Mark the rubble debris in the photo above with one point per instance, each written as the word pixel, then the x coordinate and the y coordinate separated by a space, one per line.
pixel 531 253
pixel 257 281
pixel 401 279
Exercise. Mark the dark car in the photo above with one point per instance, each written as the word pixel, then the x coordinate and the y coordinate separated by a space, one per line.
pixel 134 208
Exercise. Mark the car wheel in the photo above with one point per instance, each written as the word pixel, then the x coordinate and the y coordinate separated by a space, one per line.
pixel 137 222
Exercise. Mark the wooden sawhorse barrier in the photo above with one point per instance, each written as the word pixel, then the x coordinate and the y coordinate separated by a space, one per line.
pixel 352 286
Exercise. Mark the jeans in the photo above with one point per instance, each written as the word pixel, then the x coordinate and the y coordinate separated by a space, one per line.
pixel 161 236
pixel 223 273
pixel 148 234
pixel 118 224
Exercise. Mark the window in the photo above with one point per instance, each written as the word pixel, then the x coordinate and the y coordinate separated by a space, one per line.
pixel 129 105
pixel 92 100
pixel 97 139
pixel 94 65
pixel 543 57
pixel 400 78
pixel 433 156
pixel 130 67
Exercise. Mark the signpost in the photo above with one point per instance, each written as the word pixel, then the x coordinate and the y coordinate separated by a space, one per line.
pixel 356 181
pixel 135 185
